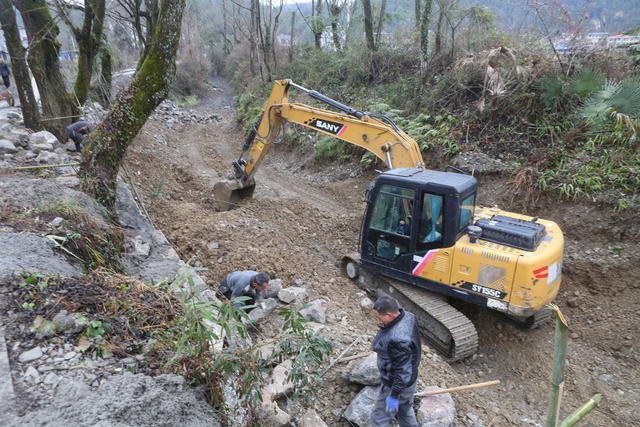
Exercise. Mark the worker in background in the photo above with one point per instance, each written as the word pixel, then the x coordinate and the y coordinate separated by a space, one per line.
pixel 247 283
pixel 399 349
pixel 5 73
pixel 77 131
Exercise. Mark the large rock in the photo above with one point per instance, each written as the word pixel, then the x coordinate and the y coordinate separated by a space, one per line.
pixel 361 407
pixel 316 311
pixel 270 413
pixel 263 310
pixel 363 371
pixel 7 147
pixel 311 419
pixel 123 400
pixel 275 285
pixel 41 147
pixel 278 386
pixel 32 193
pixel 33 253
pixel 30 355
pixel 44 137
pixel 48 157
pixel 293 295
pixel 68 181
pixel 162 261
pixel 478 162
pixel 437 410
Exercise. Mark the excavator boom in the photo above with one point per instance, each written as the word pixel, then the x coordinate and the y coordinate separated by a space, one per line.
pixel 375 133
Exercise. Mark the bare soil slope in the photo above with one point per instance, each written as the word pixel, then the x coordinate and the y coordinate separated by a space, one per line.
pixel 304 217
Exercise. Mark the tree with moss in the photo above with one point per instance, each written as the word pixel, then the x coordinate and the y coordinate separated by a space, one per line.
pixel 17 52
pixel 58 105
pixel 107 145
pixel 424 34
pixel 89 40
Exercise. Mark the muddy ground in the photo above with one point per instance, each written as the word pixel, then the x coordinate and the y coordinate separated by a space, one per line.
pixel 303 216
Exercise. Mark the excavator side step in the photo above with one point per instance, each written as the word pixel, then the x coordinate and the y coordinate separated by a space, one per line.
pixel 449 331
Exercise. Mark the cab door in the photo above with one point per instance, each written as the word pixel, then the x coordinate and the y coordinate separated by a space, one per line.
pixel 431 260
pixel 388 237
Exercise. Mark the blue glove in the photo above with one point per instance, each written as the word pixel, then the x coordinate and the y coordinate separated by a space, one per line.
pixel 392 405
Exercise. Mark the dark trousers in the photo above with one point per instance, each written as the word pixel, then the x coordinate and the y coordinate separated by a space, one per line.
pixel 6 81
pixel 406 415
pixel 224 289
pixel 77 138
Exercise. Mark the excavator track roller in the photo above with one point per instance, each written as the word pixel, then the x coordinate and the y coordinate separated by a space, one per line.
pixel 448 331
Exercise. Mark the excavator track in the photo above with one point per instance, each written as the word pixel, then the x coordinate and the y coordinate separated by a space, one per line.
pixel 449 331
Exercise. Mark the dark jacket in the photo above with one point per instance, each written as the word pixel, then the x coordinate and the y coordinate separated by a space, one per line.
pixel 399 349
pixel 239 282
pixel 4 69
pixel 76 131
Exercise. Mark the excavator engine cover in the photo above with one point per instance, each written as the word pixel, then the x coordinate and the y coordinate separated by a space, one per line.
pixel 506 230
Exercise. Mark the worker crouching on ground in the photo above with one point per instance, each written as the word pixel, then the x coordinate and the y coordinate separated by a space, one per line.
pixel 399 349
pixel 77 131
pixel 247 283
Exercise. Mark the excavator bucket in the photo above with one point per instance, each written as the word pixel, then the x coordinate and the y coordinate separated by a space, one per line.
pixel 228 193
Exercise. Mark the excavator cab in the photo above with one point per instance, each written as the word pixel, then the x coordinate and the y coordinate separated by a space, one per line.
pixel 410 212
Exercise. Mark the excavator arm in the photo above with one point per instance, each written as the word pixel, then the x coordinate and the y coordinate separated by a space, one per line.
pixel 375 133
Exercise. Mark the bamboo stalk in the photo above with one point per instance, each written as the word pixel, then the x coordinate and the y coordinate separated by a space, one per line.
pixel 582 411
pixel 22 168
pixel 557 377
pixel 460 388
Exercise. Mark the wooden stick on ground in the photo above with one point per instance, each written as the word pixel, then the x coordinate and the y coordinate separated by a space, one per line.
pixel 355 356
pixel 461 388
pixel 340 356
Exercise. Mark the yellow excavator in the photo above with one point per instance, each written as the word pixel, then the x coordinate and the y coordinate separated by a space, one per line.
pixel 423 237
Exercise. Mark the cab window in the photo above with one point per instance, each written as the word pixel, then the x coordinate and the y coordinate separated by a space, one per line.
pixel 431 219
pixel 466 211
pixel 393 209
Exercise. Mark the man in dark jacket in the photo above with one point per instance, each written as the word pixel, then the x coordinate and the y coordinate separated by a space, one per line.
pixel 399 349
pixel 4 72
pixel 247 283
pixel 77 131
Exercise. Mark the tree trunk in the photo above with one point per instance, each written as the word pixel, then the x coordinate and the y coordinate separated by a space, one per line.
pixel 334 10
pixel 424 35
pixel 107 145
pixel 438 40
pixel 416 7
pixel 368 25
pixel 225 27
pixel 28 102
pixel 383 8
pixel 293 26
pixel 45 65
pixel 252 39
pixel 89 40
pixel 317 26
pixel 105 76
pixel 350 24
